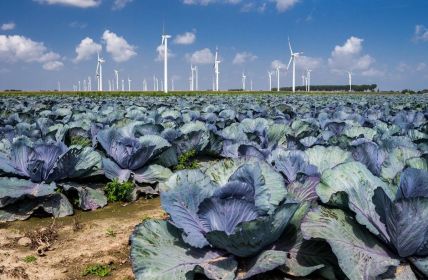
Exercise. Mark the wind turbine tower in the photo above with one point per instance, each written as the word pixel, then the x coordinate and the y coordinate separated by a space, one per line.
pixel 277 76
pixel 116 73
pixel 99 72
pixel 129 84
pixel 244 79
pixel 144 85
pixel 350 80
pixel 308 77
pixel 196 78
pixel 216 69
pixel 270 80
pixel 165 60
pixel 192 77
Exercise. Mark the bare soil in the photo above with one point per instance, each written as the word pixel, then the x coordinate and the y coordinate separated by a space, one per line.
pixel 65 247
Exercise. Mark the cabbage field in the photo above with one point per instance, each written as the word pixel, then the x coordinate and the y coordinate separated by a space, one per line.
pixel 254 186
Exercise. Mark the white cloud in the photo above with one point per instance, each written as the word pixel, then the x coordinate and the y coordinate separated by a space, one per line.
pixel 77 24
pixel 186 38
pixel 403 67
pixel 421 33
pixel 118 47
pixel 120 4
pixel 284 5
pixel 53 65
pixel 349 57
pixel 247 6
pixel 277 63
pixel 204 56
pixel 243 57
pixel 72 3
pixel 161 53
pixel 421 66
pixel 373 73
pixel 21 49
pixel 250 7
pixel 306 62
pixel 8 26
pixel 207 2
pixel 86 49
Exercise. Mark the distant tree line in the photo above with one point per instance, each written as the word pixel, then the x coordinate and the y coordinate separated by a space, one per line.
pixel 358 88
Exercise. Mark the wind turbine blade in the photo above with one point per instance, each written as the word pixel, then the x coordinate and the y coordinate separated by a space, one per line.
pixel 289 45
pixel 289 63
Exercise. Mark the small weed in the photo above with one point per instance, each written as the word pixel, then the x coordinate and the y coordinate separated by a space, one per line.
pixel 29 259
pixel 97 270
pixel 116 191
pixel 187 161
pixel 43 238
pixel 77 225
pixel 110 232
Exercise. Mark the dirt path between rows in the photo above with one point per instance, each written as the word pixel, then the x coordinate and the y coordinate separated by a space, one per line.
pixel 98 237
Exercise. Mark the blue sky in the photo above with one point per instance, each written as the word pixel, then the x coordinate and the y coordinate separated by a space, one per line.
pixel 380 41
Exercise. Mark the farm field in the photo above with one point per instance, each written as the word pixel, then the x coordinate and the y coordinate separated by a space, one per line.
pixel 221 186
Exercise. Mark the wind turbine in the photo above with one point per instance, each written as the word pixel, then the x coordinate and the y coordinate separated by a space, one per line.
pixel 172 84
pixel 251 85
pixel 216 69
pixel 350 80
pixel 116 73
pixel 244 79
pixel 123 85
pixel 59 86
pixel 165 60
pixel 308 75
pixel 89 84
pixel 277 75
pixel 303 80
pixel 129 84
pixel 79 86
pixel 99 72
pixel 157 84
pixel 293 57
pixel 190 83
pixel 270 80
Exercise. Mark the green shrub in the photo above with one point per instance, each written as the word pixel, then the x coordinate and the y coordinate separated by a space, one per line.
pixel 97 270
pixel 29 259
pixel 116 191
pixel 187 160
pixel 110 232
